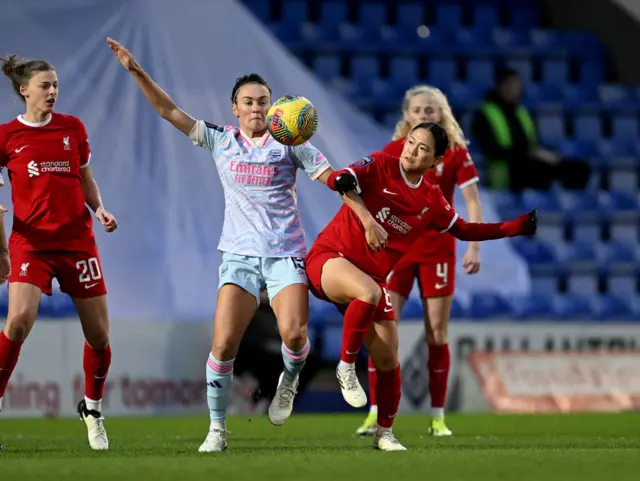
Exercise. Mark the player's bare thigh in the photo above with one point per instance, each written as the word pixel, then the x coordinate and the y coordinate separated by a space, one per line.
pixel 397 301
pixel 343 282
pixel 94 318
pixel 382 343
pixel 235 307
pixel 437 313
pixel 24 300
pixel 291 307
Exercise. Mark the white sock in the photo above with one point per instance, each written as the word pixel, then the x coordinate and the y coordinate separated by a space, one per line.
pixel 437 412
pixel 217 424
pixel 93 405
pixel 1 403
pixel 380 429
pixel 373 409
pixel 343 366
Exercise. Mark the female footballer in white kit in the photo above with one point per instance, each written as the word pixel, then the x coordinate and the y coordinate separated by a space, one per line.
pixel 262 241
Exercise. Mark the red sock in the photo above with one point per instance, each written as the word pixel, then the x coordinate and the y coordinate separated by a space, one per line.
pixel 388 391
pixel 9 353
pixel 373 376
pixel 438 365
pixel 96 366
pixel 357 319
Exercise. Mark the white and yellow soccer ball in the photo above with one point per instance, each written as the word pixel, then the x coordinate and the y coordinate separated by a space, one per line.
pixel 292 120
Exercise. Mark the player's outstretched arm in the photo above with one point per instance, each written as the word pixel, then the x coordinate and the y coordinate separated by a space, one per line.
pixel 526 224
pixel 5 264
pixel 164 105
pixel 94 200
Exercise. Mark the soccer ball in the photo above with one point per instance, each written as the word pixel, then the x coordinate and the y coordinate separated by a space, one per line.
pixel 292 120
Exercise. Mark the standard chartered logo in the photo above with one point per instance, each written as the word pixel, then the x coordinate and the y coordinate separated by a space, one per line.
pixel 32 168
pixel 35 169
pixel 383 214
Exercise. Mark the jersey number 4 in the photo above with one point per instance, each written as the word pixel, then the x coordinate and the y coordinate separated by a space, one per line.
pixel 89 270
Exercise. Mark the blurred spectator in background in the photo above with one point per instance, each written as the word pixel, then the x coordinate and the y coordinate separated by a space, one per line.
pixel 506 135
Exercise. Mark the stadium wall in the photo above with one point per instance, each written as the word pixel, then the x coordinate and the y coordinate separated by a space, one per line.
pixel 158 368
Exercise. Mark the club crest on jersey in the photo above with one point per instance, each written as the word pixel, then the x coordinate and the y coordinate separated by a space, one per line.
pixel 423 212
pixel 275 155
pixel 67 143
pixel 363 161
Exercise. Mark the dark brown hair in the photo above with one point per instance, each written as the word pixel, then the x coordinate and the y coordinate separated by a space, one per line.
pixel 440 137
pixel 252 78
pixel 20 71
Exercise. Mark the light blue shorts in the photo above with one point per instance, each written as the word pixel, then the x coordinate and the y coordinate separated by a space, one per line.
pixel 254 274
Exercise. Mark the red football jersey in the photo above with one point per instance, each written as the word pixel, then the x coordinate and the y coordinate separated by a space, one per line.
pixel 404 209
pixel 458 169
pixel 44 162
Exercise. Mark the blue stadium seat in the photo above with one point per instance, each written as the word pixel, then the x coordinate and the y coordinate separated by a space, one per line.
pixel 624 180
pixel 321 312
pixel 578 96
pixel 372 14
pixel 524 17
pixel 541 96
pixel 442 72
pixel 624 230
pixel 364 68
pixel 385 93
pixel 327 67
pixel 588 127
pixel 622 201
pixel 582 43
pixel 587 231
pixel 625 285
pixel 333 12
pixel 481 73
pixel 536 251
pixel 470 40
pixel 448 16
pixel 612 307
pixel 545 202
pixel 552 233
pixel 485 16
pixel 294 12
pixel 524 67
pixel 555 72
pixel 614 96
pixel 578 256
pixel 578 149
pixel 288 33
pixel 261 9
pixel 618 256
pixel 507 204
pixel 551 129
pixel 533 306
pixel 404 71
pixel 572 307
pixel 592 73
pixel 580 205
pixel 411 15
pixel 315 34
pixel 488 305
pixel 457 310
pixel 585 284
pixel 544 41
pixel 545 284
pixel 625 129
pixel 460 94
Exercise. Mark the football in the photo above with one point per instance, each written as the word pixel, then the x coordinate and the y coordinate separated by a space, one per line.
pixel 292 120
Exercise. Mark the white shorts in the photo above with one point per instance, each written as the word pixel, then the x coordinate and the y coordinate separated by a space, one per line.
pixel 254 274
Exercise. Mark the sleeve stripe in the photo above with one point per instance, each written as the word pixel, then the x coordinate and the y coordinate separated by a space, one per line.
pixel 473 180
pixel 351 171
pixel 86 164
pixel 453 221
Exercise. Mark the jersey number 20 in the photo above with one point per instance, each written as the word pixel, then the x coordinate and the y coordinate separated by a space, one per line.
pixel 89 270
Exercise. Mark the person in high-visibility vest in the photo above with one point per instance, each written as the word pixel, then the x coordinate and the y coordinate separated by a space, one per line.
pixel 506 134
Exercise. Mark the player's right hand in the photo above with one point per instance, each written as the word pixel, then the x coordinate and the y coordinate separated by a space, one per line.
pixel 124 56
pixel 376 235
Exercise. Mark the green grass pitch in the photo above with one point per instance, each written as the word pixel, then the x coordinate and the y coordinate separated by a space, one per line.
pixel 580 447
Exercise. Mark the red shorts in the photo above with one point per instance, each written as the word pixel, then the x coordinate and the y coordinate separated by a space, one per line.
pixel 314 263
pixel 435 279
pixel 79 273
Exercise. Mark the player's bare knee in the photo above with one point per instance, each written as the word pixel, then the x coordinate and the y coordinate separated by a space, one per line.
pixel 385 361
pixel 294 337
pixel 224 350
pixel 98 342
pixel 370 294
pixel 19 326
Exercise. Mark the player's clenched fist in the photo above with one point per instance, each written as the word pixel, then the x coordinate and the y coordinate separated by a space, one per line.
pixel 107 219
pixel 124 56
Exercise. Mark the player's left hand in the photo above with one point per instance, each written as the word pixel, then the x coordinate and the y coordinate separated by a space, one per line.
pixel 471 260
pixel 5 267
pixel 107 219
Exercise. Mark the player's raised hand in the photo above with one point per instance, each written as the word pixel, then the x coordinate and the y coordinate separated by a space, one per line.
pixel 107 219
pixel 124 56
pixel 376 235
